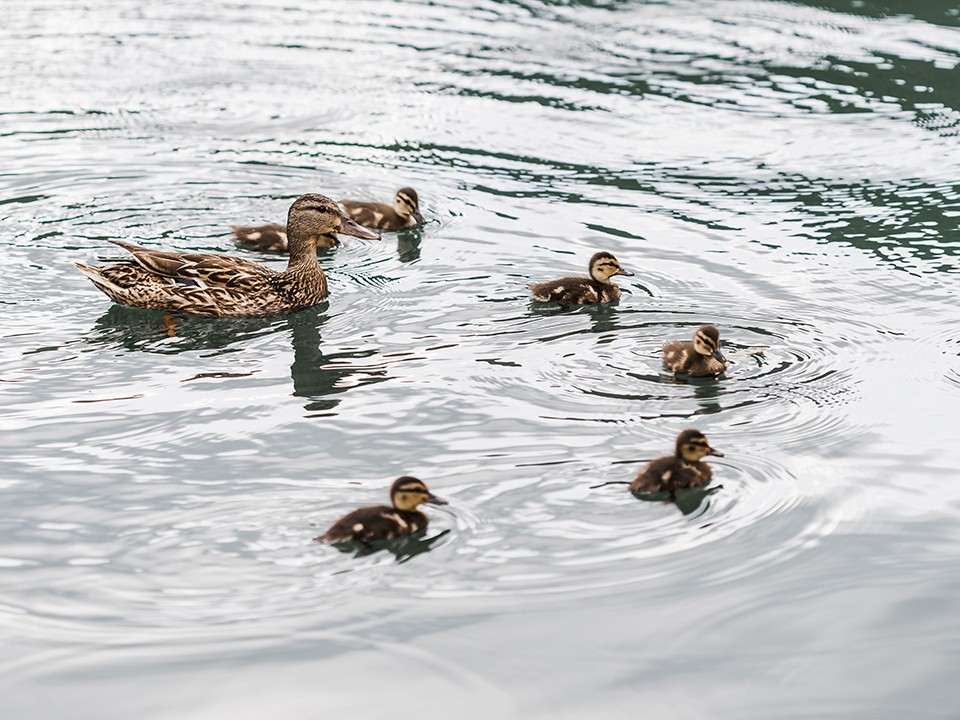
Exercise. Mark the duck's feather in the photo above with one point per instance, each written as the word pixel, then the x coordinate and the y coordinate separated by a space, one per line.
pixel 377 215
pixel 575 291
pixel 681 356
pixel 375 523
pixel 671 473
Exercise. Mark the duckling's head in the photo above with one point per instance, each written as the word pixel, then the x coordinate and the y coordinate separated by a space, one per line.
pixel 407 203
pixel 316 215
pixel 603 266
pixel 408 492
pixel 706 341
pixel 692 445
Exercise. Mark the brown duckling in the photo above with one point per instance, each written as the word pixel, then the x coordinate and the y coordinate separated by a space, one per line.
pixel 700 357
pixel 270 238
pixel 384 522
pixel 684 469
pixel 598 288
pixel 405 212
pixel 219 285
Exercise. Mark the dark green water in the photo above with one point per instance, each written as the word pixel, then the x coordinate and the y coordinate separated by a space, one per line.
pixel 789 171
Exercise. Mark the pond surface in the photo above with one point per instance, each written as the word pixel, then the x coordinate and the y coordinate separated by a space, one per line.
pixel 789 171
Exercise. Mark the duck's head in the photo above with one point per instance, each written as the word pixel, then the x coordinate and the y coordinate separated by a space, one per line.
pixel 407 203
pixel 408 492
pixel 603 266
pixel 692 445
pixel 317 215
pixel 706 341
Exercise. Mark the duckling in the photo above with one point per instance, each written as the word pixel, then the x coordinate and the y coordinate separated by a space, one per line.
pixel 598 288
pixel 220 285
pixel 405 212
pixel 272 237
pixel 681 470
pixel 698 358
pixel 383 522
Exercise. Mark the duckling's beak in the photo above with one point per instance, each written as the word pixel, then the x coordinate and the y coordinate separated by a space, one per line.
pixel 418 217
pixel 717 355
pixel 715 452
pixel 434 500
pixel 349 227
pixel 621 271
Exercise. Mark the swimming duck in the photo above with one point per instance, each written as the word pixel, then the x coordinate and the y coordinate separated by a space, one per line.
pixel 384 522
pixel 700 357
pixel 598 288
pixel 219 285
pixel 681 470
pixel 405 212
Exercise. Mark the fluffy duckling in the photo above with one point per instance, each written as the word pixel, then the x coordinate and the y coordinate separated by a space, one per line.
pixel 405 212
pixel 684 469
pixel 271 238
pixel 598 288
pixel 220 285
pixel 700 357
pixel 383 522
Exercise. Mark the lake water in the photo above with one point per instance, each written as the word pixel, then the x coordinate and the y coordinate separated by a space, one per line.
pixel 789 171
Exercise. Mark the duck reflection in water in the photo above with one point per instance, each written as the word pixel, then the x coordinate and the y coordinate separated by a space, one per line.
pixel 317 376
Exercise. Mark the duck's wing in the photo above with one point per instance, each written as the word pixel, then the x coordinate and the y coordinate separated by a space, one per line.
pixel 675 354
pixel 657 476
pixel 202 268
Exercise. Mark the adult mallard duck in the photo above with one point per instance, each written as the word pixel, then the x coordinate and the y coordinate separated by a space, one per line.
pixel 386 522
pixel 700 357
pixel 598 288
pixel 405 212
pixel 684 469
pixel 220 285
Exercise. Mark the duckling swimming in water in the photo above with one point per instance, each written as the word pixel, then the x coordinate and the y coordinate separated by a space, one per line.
pixel 221 285
pixel 598 288
pixel 405 212
pixel 700 357
pixel 384 522
pixel 684 469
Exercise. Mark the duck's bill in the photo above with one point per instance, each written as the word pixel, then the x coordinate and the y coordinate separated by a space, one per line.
pixel 434 500
pixel 621 271
pixel 418 217
pixel 717 355
pixel 717 453
pixel 349 227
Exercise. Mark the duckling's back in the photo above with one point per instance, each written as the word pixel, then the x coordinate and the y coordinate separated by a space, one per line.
pixel 375 523
pixel 574 291
pixel 671 473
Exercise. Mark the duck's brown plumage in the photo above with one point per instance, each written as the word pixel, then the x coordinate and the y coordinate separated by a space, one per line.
pixel 386 522
pixel 223 285
pixel 683 469
pixel 700 357
pixel 404 213
pixel 574 290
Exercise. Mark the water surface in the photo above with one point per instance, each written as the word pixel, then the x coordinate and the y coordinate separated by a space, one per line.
pixel 786 170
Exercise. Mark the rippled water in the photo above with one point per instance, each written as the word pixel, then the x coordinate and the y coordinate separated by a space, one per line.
pixel 786 170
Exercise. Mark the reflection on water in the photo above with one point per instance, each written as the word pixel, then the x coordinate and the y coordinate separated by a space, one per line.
pixel 402 548
pixel 785 170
